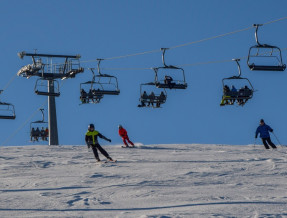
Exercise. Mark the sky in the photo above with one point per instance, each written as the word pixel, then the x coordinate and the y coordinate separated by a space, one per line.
pixel 107 29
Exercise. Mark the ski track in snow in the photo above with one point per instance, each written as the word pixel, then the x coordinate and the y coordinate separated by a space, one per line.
pixel 147 181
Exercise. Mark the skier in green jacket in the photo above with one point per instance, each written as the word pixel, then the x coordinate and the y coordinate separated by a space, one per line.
pixel 91 139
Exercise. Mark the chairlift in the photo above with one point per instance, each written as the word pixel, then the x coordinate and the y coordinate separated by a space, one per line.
pixel 153 99
pixel 263 57
pixel 42 87
pixel 167 82
pixel 232 95
pixel 7 110
pixel 102 84
pixel 39 129
pixel 88 94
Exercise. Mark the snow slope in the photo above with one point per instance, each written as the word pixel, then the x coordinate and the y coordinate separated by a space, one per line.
pixel 148 181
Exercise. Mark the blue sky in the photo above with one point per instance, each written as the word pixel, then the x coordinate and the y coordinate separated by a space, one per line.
pixel 104 29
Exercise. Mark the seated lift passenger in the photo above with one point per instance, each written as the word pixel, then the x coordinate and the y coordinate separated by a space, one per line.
pixel 144 98
pixel 151 98
pixel 168 81
pixel 160 99
pixel 83 96
pixel 226 92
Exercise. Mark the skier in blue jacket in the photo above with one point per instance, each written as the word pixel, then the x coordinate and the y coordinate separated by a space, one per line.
pixel 264 130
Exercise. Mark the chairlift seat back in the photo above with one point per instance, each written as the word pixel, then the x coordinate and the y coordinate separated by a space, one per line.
pixel 267 68
pixel 47 93
pixel 12 117
pixel 171 86
pixel 106 92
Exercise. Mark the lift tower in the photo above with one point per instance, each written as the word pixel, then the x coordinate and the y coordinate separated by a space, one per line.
pixel 49 68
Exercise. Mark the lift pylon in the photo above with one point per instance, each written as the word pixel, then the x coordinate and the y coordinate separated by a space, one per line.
pixel 50 67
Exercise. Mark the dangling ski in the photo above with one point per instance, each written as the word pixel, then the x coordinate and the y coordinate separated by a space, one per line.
pixel 105 162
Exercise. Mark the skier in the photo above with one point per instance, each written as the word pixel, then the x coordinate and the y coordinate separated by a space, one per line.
pixel 264 130
pixel 123 133
pixel 92 141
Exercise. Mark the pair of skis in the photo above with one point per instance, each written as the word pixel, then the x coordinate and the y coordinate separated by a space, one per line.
pixel 102 162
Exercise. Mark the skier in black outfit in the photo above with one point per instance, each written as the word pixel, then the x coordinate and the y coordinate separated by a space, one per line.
pixel 264 130
pixel 92 141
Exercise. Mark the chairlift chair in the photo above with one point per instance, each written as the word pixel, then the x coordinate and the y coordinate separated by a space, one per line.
pixel 102 84
pixel 39 124
pixel 168 82
pixel 42 87
pixel 154 100
pixel 242 95
pixel 87 93
pixel 7 110
pixel 264 53
pixel 108 85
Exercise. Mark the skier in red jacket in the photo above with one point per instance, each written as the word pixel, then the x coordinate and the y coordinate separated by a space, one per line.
pixel 123 133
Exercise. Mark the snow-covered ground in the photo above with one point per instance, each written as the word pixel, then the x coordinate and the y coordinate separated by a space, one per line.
pixel 148 181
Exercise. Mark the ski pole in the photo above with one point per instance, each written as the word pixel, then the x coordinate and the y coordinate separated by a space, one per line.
pixel 277 139
pixel 254 143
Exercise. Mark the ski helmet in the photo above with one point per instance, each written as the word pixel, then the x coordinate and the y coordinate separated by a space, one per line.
pixel 120 126
pixel 91 126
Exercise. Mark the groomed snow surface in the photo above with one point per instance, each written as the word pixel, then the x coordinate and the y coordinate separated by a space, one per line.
pixel 147 181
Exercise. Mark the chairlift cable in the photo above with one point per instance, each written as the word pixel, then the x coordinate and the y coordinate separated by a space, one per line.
pixel 205 63
pixel 225 34
pixel 184 65
pixel 273 21
pixel 187 65
pixel 210 38
pixel 9 82
pixel 186 44
pixel 145 68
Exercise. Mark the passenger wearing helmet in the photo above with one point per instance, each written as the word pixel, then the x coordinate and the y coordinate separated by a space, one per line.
pixel 123 133
pixel 168 80
pixel 92 141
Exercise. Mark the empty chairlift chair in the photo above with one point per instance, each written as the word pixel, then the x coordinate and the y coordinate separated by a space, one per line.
pixel 165 80
pixel 7 110
pixel 233 94
pixel 42 87
pixel 151 98
pixel 263 57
